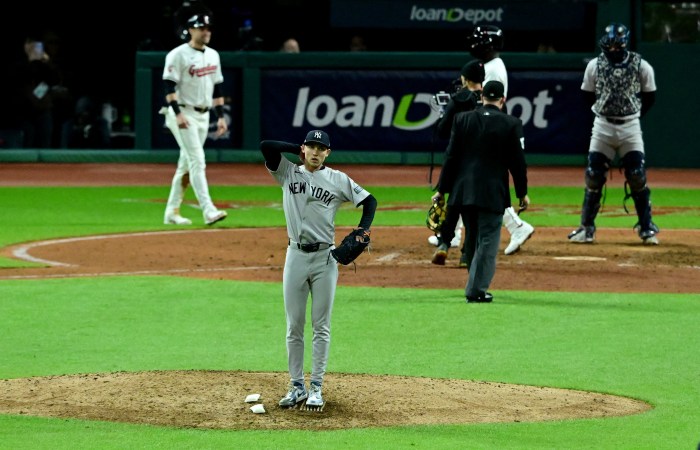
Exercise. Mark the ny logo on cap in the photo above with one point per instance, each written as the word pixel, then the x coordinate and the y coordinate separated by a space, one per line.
pixel 318 135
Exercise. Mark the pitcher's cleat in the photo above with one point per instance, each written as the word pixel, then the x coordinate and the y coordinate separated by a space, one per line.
pixel 297 393
pixel 315 401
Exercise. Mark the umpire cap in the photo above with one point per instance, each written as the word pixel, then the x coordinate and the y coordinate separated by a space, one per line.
pixel 493 90
pixel 318 136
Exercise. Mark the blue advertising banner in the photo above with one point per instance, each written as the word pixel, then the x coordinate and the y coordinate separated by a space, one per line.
pixel 162 138
pixel 461 15
pixel 395 110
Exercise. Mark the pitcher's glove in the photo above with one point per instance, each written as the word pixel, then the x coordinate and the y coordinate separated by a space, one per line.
pixel 436 215
pixel 352 246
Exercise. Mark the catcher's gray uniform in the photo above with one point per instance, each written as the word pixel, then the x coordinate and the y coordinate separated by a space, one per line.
pixel 311 197
pixel 620 85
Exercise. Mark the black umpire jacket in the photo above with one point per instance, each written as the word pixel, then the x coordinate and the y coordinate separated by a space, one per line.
pixel 486 145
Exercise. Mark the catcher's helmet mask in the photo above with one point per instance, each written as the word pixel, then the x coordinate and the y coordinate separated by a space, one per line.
pixel 614 42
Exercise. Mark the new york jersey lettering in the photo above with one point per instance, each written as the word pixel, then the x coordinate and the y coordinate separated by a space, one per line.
pixel 322 194
pixel 319 193
pixel 297 188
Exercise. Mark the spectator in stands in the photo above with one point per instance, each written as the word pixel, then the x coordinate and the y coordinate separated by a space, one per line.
pixel 357 44
pixel 62 97
pixel 291 45
pixel 33 77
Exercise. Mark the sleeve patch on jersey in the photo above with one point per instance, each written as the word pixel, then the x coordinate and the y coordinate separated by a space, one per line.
pixel 358 189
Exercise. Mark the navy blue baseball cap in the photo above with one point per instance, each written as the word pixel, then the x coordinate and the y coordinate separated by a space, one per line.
pixel 473 71
pixel 318 136
pixel 493 90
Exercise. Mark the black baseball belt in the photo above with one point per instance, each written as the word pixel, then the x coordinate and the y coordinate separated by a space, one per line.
pixel 617 121
pixel 309 248
pixel 200 109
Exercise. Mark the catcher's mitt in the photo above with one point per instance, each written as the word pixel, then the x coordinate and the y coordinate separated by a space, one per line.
pixel 351 247
pixel 436 215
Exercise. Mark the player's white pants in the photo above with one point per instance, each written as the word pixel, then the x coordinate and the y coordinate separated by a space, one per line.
pixel 315 273
pixel 191 142
pixel 511 220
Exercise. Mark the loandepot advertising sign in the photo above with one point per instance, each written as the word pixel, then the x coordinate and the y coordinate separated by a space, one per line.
pixel 394 110
pixel 541 15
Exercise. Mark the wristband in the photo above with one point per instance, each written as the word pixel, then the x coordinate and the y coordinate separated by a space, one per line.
pixel 176 108
pixel 219 110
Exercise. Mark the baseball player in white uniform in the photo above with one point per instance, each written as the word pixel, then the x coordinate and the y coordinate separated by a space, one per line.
pixel 311 195
pixel 484 44
pixel 193 77
pixel 620 86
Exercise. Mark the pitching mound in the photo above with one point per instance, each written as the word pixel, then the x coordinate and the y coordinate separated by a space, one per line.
pixel 216 400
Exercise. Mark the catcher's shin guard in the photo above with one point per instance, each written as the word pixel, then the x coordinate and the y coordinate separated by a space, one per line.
pixel 642 203
pixel 591 206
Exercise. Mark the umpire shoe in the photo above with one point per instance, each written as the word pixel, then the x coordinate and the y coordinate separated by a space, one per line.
pixel 297 393
pixel 315 396
pixel 518 238
pixel 440 255
pixel 463 261
pixel 583 235
pixel 214 216
pixel 485 298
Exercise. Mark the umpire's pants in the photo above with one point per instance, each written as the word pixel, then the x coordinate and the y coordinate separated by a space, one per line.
pixel 484 227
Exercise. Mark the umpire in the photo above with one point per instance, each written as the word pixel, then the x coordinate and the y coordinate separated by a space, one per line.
pixel 486 145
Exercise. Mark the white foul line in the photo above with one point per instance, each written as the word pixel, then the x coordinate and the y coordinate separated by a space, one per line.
pixel 22 252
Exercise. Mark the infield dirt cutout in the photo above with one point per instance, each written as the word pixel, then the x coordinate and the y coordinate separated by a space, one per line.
pixel 399 257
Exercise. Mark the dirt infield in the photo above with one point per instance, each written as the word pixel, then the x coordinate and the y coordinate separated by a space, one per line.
pixel 617 262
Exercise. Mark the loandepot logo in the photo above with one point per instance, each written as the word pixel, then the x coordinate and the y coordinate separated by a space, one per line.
pixel 355 111
pixel 473 16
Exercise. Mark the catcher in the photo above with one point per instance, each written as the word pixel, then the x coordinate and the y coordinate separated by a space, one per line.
pixel 311 196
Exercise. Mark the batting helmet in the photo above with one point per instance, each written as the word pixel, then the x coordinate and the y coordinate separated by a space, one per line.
pixel 198 21
pixel 614 42
pixel 484 40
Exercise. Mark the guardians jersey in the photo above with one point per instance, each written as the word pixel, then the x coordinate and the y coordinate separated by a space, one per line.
pixel 195 73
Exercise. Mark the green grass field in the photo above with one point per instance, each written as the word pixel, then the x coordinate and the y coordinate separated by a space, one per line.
pixel 639 346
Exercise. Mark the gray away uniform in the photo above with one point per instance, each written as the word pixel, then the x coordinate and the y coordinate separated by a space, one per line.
pixel 310 201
